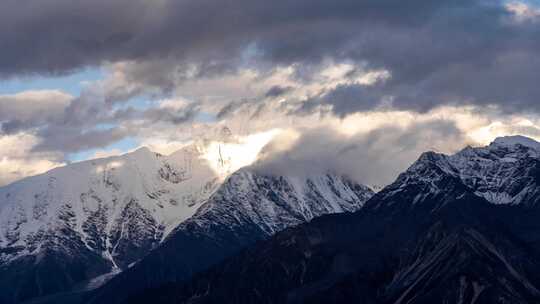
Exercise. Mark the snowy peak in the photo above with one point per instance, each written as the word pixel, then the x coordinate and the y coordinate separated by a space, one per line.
pixel 273 203
pixel 107 212
pixel 102 196
pixel 516 140
pixel 505 172
pixel 248 207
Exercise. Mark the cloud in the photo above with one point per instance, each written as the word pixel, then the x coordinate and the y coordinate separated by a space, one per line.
pixel 343 71
pixel 523 12
pixel 372 158
pixel 373 147
pixel 13 169
pixel 277 91
pixel 65 124
pixel 436 52
pixel 31 108
pixel 68 140
pixel 17 160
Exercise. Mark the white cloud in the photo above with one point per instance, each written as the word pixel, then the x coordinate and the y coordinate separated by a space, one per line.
pixel 259 115
pixel 523 12
pixel 18 161
pixel 227 157
pixel 177 103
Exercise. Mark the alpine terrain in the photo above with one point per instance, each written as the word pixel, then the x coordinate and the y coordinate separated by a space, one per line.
pixel 250 206
pixel 65 233
pixel 88 219
pixel 451 229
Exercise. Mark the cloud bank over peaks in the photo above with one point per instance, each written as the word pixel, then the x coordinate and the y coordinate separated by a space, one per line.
pixel 437 52
pixel 359 76
pixel 371 158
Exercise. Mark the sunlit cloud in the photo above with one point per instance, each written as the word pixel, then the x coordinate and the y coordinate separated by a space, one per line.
pixel 522 11
pixel 17 159
pixel 227 157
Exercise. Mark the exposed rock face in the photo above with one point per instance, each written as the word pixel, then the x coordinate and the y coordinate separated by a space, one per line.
pixel 451 229
pixel 505 172
pixel 247 208
pixel 86 219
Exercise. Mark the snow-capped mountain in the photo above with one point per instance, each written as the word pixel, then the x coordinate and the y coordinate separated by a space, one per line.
pixel 248 207
pixel 273 203
pixel 97 199
pixel 426 231
pixel 505 172
pixel 433 236
pixel 89 218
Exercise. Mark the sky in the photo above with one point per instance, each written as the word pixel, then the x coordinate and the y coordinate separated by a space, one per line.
pixel 360 87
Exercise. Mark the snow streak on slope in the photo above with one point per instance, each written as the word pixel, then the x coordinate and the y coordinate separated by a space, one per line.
pixel 84 220
pixel 250 206
pixel 118 206
pixel 430 237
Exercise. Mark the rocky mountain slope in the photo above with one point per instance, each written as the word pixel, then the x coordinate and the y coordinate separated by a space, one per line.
pixel 451 229
pixel 248 207
pixel 505 172
pixel 85 219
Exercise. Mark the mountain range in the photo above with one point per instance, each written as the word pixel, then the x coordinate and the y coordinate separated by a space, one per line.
pixel 72 229
pixel 451 229
pixel 95 217
pixel 249 207
pixel 148 228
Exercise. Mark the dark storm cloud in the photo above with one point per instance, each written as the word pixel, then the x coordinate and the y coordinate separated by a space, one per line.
pixel 61 35
pixel 509 82
pixel 228 109
pixel 11 126
pixel 277 91
pixel 438 52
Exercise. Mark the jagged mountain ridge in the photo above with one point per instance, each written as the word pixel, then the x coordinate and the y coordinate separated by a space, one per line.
pixel 89 218
pixel 430 237
pixel 247 208
pixel 505 172
pixel 276 202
